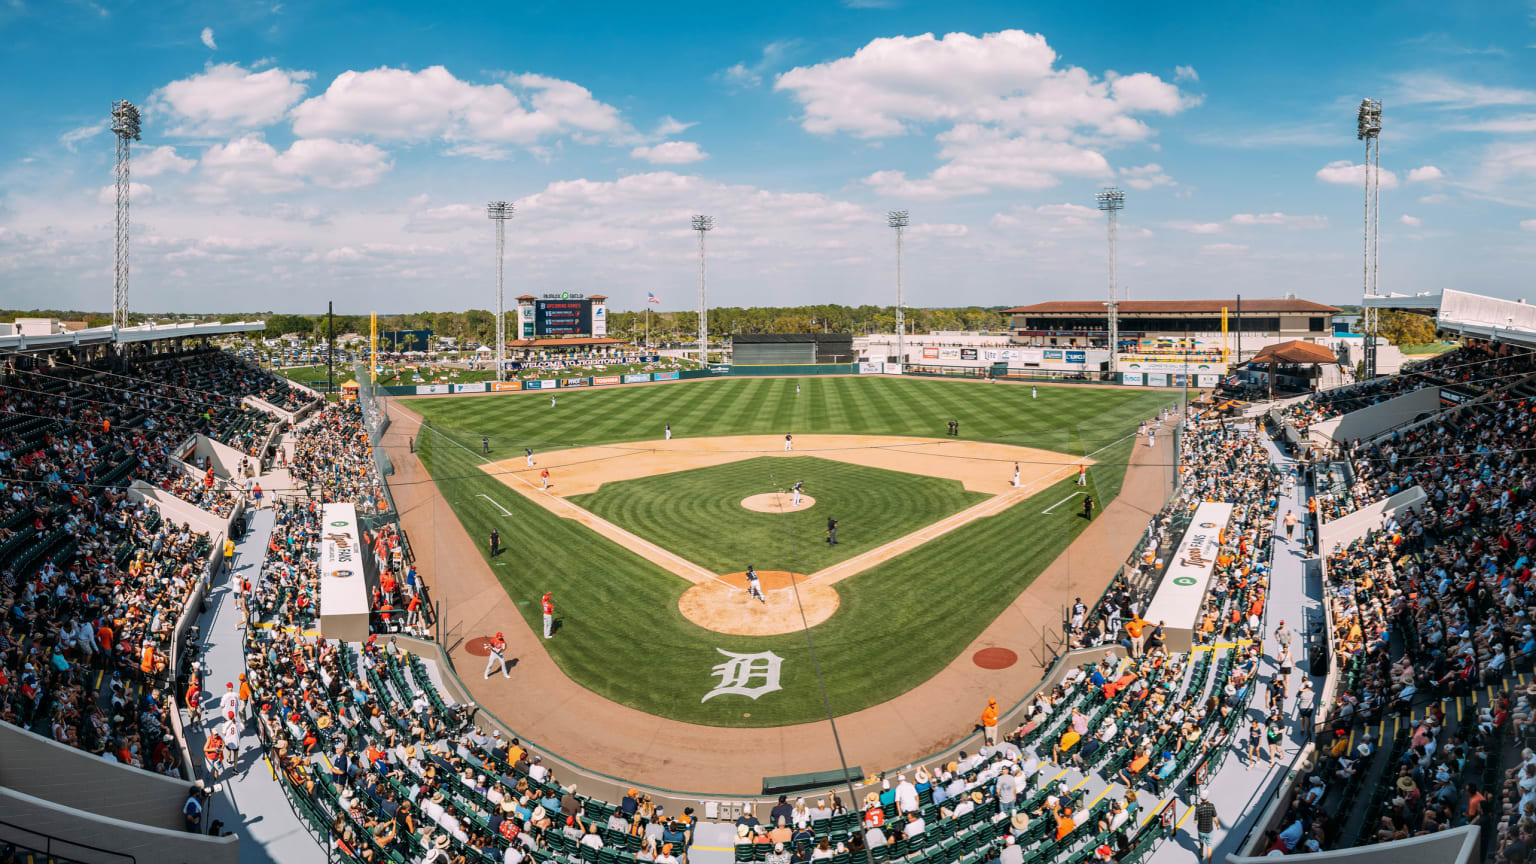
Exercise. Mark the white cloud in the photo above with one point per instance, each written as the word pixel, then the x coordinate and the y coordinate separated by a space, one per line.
pixel 745 74
pixel 1528 225
pixel 138 193
pixel 669 126
pixel 1437 198
pixel 250 165
pixel 333 164
pixel 207 37
pixel 160 160
pixel 1223 249
pixel 670 153
pixel 1425 174
pixel 1016 120
pixel 1448 93
pixel 73 137
pixel 1410 221
pixel 1185 73
pixel 1516 124
pixel 1281 219
pixel 1346 173
pixel 1197 227
pixel 401 105
pixel 226 97
pixel 1146 176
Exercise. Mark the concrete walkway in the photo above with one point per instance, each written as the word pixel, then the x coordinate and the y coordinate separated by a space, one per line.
pixel 1240 791
pixel 250 802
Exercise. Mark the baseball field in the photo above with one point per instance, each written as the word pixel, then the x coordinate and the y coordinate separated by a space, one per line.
pixel 934 538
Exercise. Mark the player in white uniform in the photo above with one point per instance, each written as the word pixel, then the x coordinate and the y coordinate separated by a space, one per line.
pixel 796 491
pixel 551 401
pixel 754 588
pixel 498 658
pixel 669 431
pixel 1015 475
pixel 528 454
pixel 788 443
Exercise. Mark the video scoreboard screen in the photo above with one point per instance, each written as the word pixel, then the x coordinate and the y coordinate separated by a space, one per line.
pixel 562 317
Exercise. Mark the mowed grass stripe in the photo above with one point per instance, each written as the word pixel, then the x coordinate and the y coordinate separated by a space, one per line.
pixel 616 608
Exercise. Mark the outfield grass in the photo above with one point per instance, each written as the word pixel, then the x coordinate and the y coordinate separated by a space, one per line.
pixel 698 513
pixel 898 624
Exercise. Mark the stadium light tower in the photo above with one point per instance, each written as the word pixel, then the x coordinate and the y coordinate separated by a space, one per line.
pixel 703 224
pixel 1368 129
pixel 499 212
pixel 125 126
pixel 898 219
pixel 1112 201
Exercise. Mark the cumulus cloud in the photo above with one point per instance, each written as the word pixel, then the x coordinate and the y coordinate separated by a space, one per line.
pixel 670 153
pixel 433 104
pixel 1281 219
pixel 745 74
pixel 1437 198
pixel 138 193
pixel 207 37
pixel 1346 173
pixel 1410 221
pixel 250 165
pixel 1185 73
pixel 1015 118
pixel 1425 174
pixel 1528 225
pixel 160 160
pixel 333 164
pixel 227 97
pixel 1146 176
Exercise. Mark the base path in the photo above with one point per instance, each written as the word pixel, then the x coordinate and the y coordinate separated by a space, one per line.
pixel 557 716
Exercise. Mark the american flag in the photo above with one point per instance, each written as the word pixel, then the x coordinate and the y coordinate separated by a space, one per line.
pixel 651 298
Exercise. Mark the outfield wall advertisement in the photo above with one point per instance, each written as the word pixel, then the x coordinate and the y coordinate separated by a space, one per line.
pixel 343 590
pixel 601 380
pixel 637 378
pixel 664 376
pixel 477 387
pixel 504 386
pixel 433 389
pixel 1179 594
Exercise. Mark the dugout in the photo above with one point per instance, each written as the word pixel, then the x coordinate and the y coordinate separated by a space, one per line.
pixel 791 349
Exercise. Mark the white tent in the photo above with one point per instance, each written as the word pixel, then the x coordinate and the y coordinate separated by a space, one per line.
pixel 487 349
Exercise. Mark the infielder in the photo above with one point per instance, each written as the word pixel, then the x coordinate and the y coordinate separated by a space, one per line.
pixel 754 587
pixel 796 501
pixel 544 476
pixel 528 454
pixel 549 614
pixel 669 431
pixel 1082 475
pixel 498 658
pixel 789 443
pixel 1015 475
pixel 485 443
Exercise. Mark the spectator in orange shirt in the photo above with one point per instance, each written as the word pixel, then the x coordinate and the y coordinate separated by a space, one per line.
pixel 1064 823
pixel 989 722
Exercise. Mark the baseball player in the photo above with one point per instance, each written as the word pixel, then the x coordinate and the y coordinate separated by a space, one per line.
pixel 230 732
pixel 544 476
pixel 229 703
pixel 754 587
pixel 797 388
pixel 528 455
pixel 796 501
pixel 831 531
pixel 789 443
pixel 551 401
pixel 1034 392
pixel 485 444
pixel 498 658
pixel 1082 475
pixel 1015 475
pixel 549 614
pixel 669 431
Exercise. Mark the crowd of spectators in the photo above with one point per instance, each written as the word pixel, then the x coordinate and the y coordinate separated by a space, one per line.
pixel 333 458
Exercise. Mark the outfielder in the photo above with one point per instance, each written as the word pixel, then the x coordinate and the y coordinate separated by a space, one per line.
pixel 754 587
pixel 1034 392
pixel 528 454
pixel 789 443
pixel 796 501
pixel 669 431
pixel 551 401
pixel 498 658
pixel 549 614
pixel 485 443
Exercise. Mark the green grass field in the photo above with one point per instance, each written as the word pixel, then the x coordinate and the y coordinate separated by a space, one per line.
pixel 698 513
pixel 898 624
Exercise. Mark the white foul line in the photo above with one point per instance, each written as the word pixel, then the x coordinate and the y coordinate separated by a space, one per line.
pixel 1061 502
pixel 504 511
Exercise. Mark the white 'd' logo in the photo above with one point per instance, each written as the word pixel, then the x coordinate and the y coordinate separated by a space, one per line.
pixel 737 672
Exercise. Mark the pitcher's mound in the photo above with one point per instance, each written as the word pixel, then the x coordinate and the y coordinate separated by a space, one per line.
pixel 775 502
pixel 725 607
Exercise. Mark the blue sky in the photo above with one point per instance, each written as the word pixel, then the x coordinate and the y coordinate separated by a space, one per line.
pixel 295 152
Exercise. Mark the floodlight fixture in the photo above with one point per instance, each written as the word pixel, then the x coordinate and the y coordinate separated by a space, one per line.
pixel 703 224
pixel 1111 200
pixel 899 220
pixel 125 129
pixel 500 212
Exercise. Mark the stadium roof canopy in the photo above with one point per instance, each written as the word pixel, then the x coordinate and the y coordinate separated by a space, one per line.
pixel 1295 351
pixel 123 336
pixel 1469 314
pixel 1169 307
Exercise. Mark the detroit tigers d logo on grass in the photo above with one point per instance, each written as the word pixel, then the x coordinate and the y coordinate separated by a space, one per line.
pixel 737 673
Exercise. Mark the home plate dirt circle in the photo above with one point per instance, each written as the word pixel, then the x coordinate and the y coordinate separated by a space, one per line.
pixel 776 502
pixel 994 658
pixel 723 605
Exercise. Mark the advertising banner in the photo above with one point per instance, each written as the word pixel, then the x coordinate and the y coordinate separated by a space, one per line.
pixel 891 368
pixel 600 380
pixel 1179 380
pixel 868 368
pixel 1185 577
pixel 1191 367
pixel 433 389
pixel 664 376
pixel 967 353
pixel 540 385
pixel 343 591
pixel 719 370
pixel 1132 379
pixel 1157 379
pixel 573 382
pixel 1077 356
pixel 637 378
pixel 1206 380
pixel 930 353
pixel 503 386
pixel 1051 355
pixel 599 319
pixel 949 353
pixel 477 387
pixel 1027 355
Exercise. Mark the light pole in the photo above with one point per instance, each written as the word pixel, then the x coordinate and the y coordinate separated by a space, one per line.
pixel 703 225
pixel 125 125
pixel 1368 129
pixel 898 219
pixel 499 212
pixel 1112 201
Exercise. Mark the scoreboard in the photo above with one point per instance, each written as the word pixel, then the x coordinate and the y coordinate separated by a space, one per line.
pixel 562 317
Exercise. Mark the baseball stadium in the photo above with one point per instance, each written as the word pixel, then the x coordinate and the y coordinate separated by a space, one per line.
pixel 1028 572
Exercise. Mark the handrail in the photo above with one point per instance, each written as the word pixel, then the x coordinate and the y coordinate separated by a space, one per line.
pixel 49 840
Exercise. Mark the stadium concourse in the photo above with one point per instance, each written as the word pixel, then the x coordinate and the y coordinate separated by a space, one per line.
pixel 374 750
